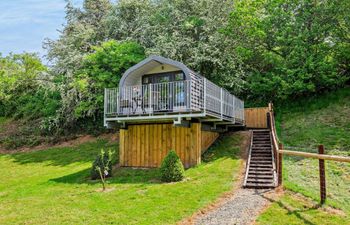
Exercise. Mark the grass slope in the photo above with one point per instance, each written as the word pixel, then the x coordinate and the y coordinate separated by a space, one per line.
pixel 51 186
pixel 306 124
pixel 292 209
pixel 320 120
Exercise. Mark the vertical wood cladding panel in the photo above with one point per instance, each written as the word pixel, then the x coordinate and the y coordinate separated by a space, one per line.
pixel 146 145
pixel 256 117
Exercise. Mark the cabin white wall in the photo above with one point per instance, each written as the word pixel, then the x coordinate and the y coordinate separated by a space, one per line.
pixel 136 78
pixel 163 69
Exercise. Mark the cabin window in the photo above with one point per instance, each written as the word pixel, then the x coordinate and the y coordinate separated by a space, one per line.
pixel 163 77
pixel 179 76
pixel 146 80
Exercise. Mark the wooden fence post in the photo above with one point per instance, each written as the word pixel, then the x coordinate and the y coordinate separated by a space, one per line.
pixel 322 175
pixel 280 159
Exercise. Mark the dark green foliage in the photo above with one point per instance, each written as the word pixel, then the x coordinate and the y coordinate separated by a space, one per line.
pixel 172 169
pixel 39 103
pixel 103 69
pixel 292 48
pixel 24 91
pixel 104 162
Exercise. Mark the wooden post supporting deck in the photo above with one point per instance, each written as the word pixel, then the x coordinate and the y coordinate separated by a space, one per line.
pixel 322 175
pixel 280 159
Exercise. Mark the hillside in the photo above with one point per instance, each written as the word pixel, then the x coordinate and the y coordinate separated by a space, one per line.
pixel 53 185
pixel 321 120
pixel 302 126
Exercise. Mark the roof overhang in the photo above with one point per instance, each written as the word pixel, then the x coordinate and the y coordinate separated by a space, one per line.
pixel 150 63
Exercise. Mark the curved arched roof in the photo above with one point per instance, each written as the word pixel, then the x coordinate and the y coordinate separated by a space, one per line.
pixel 149 63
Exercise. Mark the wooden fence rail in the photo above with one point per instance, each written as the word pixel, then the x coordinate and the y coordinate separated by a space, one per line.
pixel 315 155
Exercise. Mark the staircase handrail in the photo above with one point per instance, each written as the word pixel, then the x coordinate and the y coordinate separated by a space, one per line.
pixel 276 144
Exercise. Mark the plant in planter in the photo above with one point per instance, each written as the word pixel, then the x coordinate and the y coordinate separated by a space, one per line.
pixel 172 169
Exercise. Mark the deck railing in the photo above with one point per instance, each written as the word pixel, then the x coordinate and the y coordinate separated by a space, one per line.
pixel 188 96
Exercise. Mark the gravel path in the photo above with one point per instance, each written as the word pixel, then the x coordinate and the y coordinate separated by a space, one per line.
pixel 241 208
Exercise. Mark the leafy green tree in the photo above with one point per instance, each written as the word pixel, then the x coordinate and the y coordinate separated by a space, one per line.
pixel 187 31
pixel 291 48
pixel 85 28
pixel 25 87
pixel 103 69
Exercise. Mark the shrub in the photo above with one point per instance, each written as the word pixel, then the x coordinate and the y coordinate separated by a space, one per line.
pixel 172 169
pixel 104 162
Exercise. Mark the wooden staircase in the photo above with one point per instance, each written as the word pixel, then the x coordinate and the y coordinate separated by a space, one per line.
pixel 260 172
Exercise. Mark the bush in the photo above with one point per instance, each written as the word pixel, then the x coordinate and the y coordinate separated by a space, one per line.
pixel 103 160
pixel 172 169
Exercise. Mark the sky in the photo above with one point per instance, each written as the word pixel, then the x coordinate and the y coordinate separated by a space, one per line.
pixel 24 24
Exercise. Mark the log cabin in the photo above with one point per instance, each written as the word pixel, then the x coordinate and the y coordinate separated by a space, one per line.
pixel 162 105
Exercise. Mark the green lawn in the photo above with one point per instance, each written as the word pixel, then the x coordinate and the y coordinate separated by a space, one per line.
pixel 292 209
pixel 52 186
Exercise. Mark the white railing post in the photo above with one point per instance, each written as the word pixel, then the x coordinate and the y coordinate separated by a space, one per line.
pixel 205 94
pixel 243 111
pixel 221 102
pixel 150 99
pixel 105 108
pixel 190 84
pixel 118 103
pixel 233 108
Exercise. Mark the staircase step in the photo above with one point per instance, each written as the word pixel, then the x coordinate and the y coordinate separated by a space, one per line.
pixel 263 170
pixel 260 162
pixel 255 185
pixel 263 158
pixel 257 180
pixel 261 166
pixel 261 148
pixel 259 155
pixel 262 151
pixel 260 176
pixel 267 143
pixel 261 145
pixel 255 172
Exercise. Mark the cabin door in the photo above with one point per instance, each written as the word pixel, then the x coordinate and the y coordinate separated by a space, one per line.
pixel 168 90
pixel 163 92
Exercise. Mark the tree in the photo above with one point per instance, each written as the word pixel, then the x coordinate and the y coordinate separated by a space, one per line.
pixel 23 87
pixel 85 28
pixel 102 167
pixel 187 31
pixel 103 69
pixel 291 48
